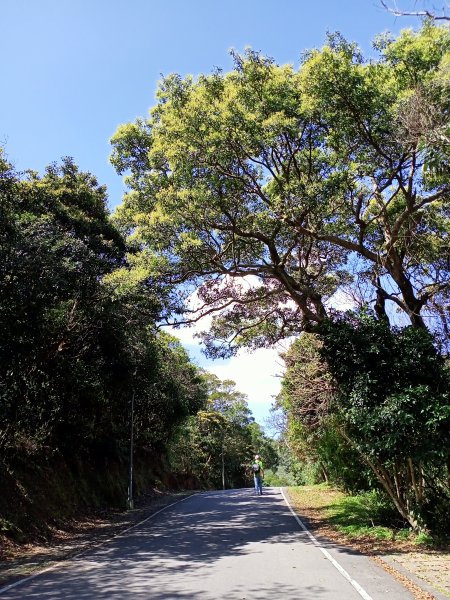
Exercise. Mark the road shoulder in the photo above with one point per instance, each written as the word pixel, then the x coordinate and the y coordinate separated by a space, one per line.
pixel 425 574
pixel 82 535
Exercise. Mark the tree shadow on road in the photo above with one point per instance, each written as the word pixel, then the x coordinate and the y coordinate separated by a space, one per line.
pixel 160 558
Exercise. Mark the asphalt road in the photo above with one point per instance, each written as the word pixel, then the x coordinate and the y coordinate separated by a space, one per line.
pixel 228 545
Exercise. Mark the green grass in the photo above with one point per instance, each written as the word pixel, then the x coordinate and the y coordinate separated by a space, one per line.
pixel 355 531
pixel 425 539
pixel 365 516
pixel 369 515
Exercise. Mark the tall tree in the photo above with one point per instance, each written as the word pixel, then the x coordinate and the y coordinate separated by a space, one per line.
pixel 270 188
pixel 56 245
pixel 311 431
pixel 366 397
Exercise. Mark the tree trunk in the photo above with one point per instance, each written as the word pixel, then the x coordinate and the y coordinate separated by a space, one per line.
pixel 416 488
pixel 324 473
pixel 384 478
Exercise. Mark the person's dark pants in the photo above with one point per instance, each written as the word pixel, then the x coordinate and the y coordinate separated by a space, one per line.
pixel 258 484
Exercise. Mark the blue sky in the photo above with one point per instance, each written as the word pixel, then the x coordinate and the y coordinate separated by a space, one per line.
pixel 73 70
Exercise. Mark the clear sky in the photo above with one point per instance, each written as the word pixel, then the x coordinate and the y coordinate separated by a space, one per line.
pixel 73 70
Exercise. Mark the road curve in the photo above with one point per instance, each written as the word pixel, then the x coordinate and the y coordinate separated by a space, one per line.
pixel 229 545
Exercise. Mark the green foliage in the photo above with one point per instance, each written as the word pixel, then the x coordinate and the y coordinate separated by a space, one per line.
pixel 370 406
pixel 75 345
pixel 304 182
pixel 312 436
pixel 289 466
pixel 279 478
pixel 393 388
pixel 56 244
pixel 368 512
pixel 220 441
pixel 392 405
pixel 340 462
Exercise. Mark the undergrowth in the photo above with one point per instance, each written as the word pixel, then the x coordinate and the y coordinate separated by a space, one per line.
pixel 362 516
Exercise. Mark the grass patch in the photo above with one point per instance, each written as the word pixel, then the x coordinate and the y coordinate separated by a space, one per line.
pixel 367 516
pixel 379 533
pixel 425 539
pixel 319 496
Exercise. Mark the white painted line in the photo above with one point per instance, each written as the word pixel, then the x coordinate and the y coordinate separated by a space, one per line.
pixel 361 591
pixel 22 581
pixel 99 545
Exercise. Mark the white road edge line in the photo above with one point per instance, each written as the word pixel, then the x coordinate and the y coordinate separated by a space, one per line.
pixel 95 546
pixel 361 591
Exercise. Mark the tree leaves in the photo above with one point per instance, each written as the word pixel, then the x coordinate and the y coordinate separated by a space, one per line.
pixel 307 180
pixel 78 324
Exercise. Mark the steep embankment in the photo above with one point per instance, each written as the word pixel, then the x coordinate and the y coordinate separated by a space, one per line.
pixel 43 494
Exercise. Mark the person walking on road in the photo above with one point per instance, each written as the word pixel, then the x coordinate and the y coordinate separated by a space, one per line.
pixel 258 474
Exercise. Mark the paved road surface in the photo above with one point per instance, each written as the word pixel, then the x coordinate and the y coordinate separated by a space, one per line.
pixel 227 545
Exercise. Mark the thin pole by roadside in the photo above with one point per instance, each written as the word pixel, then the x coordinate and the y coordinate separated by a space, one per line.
pixel 130 499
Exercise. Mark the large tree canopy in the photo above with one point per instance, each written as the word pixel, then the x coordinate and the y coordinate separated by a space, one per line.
pixel 308 180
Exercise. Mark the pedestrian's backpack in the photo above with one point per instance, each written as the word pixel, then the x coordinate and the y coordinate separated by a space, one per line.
pixel 256 468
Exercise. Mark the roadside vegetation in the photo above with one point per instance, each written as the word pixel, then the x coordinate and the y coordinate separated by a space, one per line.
pixel 366 518
pixel 80 345
pixel 312 203
pixel 307 204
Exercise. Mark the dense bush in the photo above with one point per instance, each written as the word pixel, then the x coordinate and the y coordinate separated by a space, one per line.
pixel 77 342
